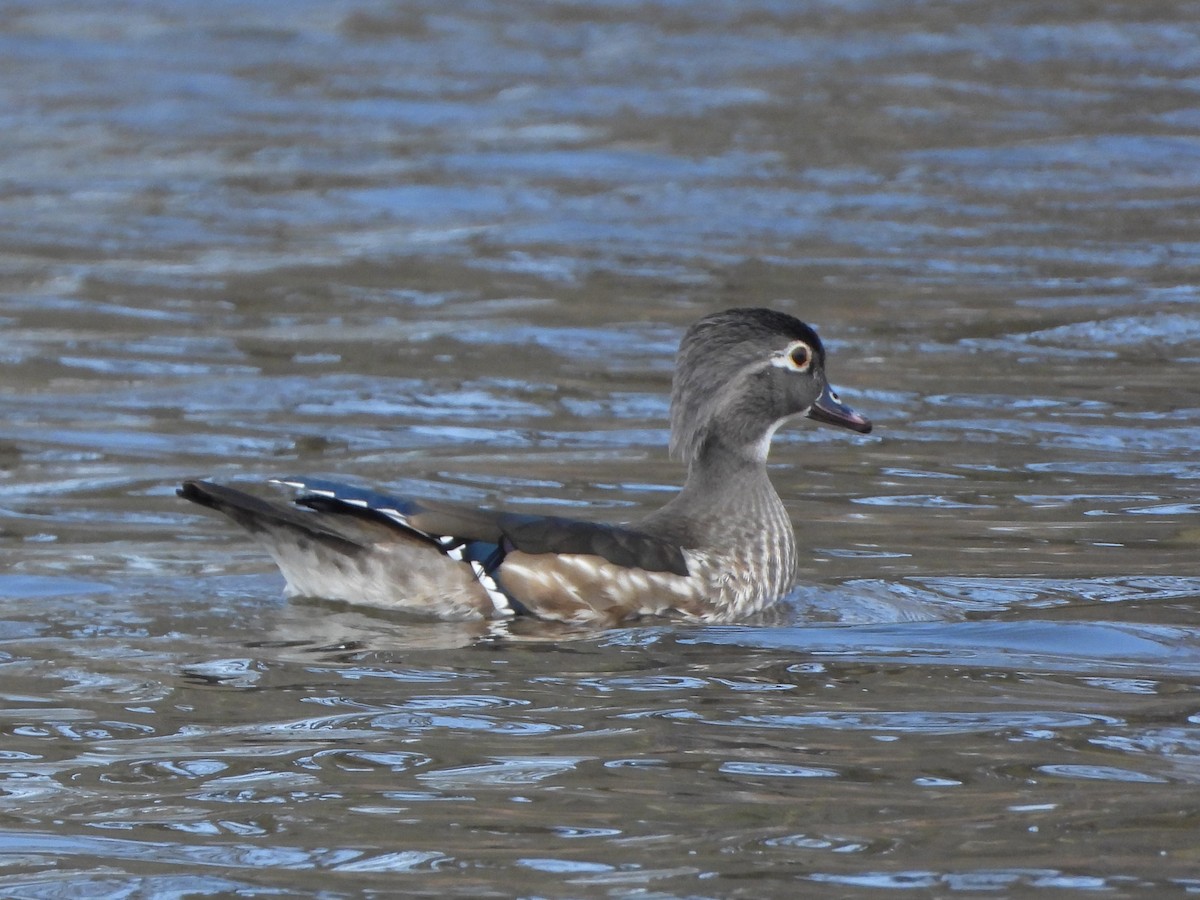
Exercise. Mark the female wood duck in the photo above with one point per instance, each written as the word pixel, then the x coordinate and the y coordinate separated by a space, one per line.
pixel 721 549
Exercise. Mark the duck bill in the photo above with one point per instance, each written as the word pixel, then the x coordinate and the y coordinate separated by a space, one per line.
pixel 831 410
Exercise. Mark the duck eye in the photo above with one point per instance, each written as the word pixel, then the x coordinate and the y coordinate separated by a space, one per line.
pixel 800 357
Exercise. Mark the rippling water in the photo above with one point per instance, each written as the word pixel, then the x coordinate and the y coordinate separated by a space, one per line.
pixel 451 249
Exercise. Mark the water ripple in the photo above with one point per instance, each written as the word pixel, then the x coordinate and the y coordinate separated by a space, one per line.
pixel 451 249
pixel 501 772
pixel 1086 648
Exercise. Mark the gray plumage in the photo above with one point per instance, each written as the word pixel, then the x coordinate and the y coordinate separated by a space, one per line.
pixel 725 386
pixel 721 549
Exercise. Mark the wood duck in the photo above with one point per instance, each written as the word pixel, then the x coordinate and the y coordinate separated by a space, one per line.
pixel 721 549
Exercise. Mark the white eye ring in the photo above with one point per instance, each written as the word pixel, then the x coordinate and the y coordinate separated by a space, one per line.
pixel 797 356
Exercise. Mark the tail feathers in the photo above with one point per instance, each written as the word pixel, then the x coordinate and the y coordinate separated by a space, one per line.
pixel 263 518
pixel 350 554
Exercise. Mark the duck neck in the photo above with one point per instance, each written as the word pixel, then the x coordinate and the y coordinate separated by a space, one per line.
pixel 728 500
pixel 719 469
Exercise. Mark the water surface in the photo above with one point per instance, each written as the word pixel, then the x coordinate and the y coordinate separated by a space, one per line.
pixel 450 250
